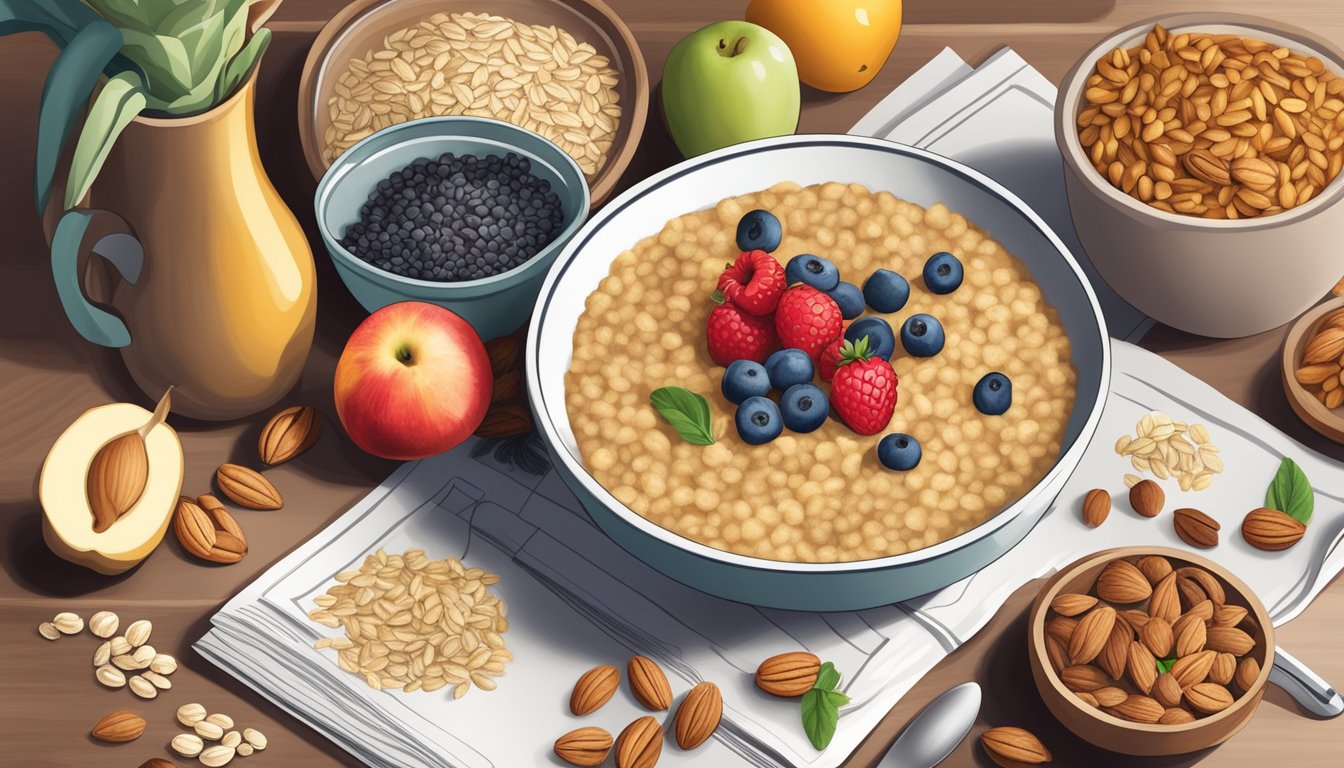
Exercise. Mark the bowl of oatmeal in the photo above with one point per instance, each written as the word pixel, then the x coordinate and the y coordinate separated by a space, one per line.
pixel 815 520
pixel 1202 156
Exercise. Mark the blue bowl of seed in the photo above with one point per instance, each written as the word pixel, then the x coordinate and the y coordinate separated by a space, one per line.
pixel 464 212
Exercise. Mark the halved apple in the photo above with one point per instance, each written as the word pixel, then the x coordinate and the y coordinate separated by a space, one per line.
pixel 117 543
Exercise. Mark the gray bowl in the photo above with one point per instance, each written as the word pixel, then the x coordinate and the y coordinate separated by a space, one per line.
pixel 494 305
pixel 915 175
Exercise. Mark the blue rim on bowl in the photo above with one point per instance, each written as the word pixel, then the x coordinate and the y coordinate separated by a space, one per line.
pixel 347 183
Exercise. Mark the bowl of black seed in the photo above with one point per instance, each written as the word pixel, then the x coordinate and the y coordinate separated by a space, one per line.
pixel 464 212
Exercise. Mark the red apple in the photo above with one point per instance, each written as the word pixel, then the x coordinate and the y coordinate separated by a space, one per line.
pixel 414 380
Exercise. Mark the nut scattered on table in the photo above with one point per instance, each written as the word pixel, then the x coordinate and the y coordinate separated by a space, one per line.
pixel 1096 506
pixel 104 624
pixel 640 744
pixel 288 434
pixel 649 683
pixel 247 487
pixel 212 535
pixel 698 715
pixel 594 689
pixel 118 727
pixel 587 746
pixel 1010 747
pixel 788 674
pixel 1271 530
pixel 1196 528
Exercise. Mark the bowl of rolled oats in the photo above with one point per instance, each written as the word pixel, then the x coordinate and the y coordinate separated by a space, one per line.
pixel 570 72
pixel 1202 157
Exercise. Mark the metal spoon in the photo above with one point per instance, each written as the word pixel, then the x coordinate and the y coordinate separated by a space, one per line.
pixel 936 731
pixel 1305 686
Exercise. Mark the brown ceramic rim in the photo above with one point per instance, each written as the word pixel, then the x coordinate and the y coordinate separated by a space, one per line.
pixel 1036 631
pixel 1305 405
pixel 598 11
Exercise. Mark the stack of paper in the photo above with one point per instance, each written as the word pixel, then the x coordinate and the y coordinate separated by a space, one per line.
pixel 577 600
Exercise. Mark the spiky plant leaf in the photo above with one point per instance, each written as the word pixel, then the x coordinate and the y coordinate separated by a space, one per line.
pixel 122 98
pixel 242 64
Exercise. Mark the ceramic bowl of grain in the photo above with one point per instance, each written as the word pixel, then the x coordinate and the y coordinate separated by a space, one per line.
pixel 1207 677
pixel 1213 207
pixel 570 72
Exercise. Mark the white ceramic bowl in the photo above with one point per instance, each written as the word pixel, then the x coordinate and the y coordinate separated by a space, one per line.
pixel 915 175
pixel 1226 279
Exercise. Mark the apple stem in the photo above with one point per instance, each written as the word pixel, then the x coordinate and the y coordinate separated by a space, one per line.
pixel 160 413
pixel 739 45
pixel 404 355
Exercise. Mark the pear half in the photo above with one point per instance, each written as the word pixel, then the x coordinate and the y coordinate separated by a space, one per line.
pixel 68 520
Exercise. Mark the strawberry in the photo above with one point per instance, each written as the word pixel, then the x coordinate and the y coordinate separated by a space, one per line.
pixel 754 282
pixel 735 335
pixel 829 359
pixel 863 392
pixel 807 319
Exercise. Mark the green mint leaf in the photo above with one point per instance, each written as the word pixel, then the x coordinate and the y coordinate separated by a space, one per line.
pixel 1164 665
pixel 820 716
pixel 827 677
pixel 1290 492
pixel 687 412
pixel 837 699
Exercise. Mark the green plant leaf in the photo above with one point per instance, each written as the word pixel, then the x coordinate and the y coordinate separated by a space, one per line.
pixel 827 677
pixel 1164 665
pixel 837 699
pixel 1290 492
pixel 241 66
pixel 686 411
pixel 820 717
pixel 165 62
pixel 122 98
pixel 70 83
pixel 60 20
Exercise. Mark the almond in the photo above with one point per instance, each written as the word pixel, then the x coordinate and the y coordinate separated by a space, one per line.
pixel 1191 638
pixel 1123 583
pixel 1191 593
pixel 1326 346
pixel 1054 651
pixel 1228 615
pixel 788 674
pixel 288 433
pixel 594 688
pixel 214 536
pixel 648 683
pixel 640 744
pixel 1206 166
pixel 1147 498
pixel 1154 568
pixel 1083 677
pixel 1157 637
pixel 584 746
pixel 1189 670
pixel 1072 604
pixel 1166 602
pixel 1224 669
pixel 116 479
pixel 1115 654
pixel 1203 610
pixel 1135 618
pixel 1271 530
pixel 1139 709
pixel 1109 696
pixel 1142 667
pixel 1166 690
pixel 1061 628
pixel 1086 698
pixel 1230 640
pixel 1176 716
pixel 1010 747
pixel 1195 528
pixel 1096 506
pixel 1208 697
pixel 247 488
pixel 1207 582
pixel 1091 634
pixel 698 715
pixel 1248 670
pixel 119 726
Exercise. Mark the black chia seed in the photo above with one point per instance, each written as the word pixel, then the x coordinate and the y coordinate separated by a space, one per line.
pixel 456 218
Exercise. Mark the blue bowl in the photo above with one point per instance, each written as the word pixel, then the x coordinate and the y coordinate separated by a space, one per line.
pixel 494 305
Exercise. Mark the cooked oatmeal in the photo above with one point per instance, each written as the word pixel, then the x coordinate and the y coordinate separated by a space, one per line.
pixel 821 496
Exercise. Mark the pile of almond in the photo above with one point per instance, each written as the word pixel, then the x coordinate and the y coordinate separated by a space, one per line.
pixel 641 743
pixel 1152 643
pixel 1321 371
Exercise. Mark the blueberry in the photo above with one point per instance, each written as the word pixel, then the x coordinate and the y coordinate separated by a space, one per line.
pixel 899 452
pixel 922 335
pixel 759 231
pixel 886 291
pixel 743 379
pixel 812 270
pixel 849 298
pixel 993 394
pixel 942 273
pixel 804 407
pixel 758 420
pixel 881 339
pixel 788 368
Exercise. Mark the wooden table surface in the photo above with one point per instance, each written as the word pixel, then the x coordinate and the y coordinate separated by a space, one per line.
pixel 48 375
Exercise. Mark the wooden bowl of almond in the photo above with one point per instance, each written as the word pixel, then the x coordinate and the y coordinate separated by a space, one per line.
pixel 1150 651
pixel 1313 368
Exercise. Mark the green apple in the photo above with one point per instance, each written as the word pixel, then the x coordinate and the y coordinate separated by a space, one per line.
pixel 729 82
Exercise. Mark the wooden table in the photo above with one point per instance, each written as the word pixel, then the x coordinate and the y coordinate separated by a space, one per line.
pixel 48 375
